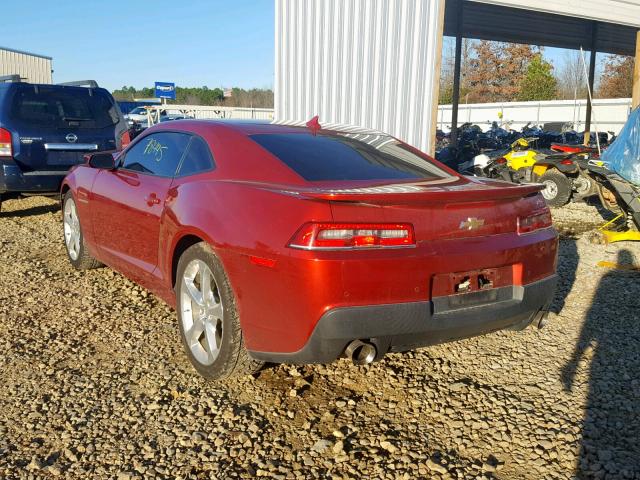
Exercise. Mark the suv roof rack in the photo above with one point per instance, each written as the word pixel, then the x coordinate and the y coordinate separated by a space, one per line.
pixel 10 78
pixel 81 83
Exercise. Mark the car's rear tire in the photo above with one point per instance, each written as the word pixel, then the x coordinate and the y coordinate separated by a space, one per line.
pixel 73 238
pixel 557 191
pixel 207 316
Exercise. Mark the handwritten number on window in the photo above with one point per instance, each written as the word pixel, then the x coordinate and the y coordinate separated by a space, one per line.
pixel 156 149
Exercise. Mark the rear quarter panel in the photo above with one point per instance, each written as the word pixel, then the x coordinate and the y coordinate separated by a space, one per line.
pixel 241 222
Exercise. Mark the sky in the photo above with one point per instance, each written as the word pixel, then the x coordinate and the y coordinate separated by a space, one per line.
pixel 137 42
pixel 193 43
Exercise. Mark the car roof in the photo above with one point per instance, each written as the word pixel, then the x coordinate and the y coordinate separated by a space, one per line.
pixel 254 127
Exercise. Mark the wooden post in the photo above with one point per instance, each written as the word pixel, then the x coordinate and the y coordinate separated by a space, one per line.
pixel 455 100
pixel 436 86
pixel 636 74
pixel 592 76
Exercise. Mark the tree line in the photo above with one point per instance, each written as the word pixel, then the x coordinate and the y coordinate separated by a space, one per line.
pixel 507 72
pixel 255 97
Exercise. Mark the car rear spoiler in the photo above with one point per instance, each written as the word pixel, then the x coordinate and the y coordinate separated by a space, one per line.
pixel 407 194
pixel 425 196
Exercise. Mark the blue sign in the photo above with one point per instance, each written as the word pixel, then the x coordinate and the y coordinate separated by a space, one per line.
pixel 166 90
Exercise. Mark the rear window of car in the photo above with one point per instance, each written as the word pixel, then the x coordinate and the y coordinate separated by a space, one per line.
pixel 60 107
pixel 344 156
pixel 197 159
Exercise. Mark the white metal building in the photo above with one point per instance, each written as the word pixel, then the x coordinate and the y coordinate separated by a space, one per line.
pixel 371 63
pixel 30 66
pixel 376 63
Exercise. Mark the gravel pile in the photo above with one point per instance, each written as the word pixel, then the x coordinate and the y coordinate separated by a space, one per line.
pixel 94 384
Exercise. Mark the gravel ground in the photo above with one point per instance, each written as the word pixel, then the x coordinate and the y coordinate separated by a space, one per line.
pixel 94 384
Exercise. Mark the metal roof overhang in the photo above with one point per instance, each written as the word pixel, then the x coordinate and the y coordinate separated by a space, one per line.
pixel 13 50
pixel 518 25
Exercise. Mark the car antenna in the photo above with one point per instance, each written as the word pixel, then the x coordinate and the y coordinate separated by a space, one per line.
pixel 314 125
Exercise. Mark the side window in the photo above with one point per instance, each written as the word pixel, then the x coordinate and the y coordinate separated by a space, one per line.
pixel 197 159
pixel 157 154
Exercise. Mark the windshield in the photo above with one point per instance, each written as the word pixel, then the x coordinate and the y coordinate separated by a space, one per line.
pixel 64 107
pixel 139 111
pixel 343 156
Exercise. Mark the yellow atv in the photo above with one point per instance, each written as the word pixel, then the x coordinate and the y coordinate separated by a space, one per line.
pixel 559 172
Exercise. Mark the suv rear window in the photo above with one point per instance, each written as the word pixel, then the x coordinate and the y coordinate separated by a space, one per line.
pixel 64 107
pixel 341 156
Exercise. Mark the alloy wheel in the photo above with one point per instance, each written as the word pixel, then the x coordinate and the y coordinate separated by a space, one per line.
pixel 201 311
pixel 71 229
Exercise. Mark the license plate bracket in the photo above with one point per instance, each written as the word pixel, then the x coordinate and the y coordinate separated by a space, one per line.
pixel 471 281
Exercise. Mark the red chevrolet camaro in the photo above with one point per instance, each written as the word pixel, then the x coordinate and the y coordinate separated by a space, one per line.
pixel 298 244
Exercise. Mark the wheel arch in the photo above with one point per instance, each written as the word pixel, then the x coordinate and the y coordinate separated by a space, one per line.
pixel 63 191
pixel 180 244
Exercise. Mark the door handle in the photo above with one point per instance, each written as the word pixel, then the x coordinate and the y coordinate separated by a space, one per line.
pixel 152 200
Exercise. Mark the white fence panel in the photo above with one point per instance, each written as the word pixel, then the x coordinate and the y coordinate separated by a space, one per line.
pixel 608 114
pixel 212 112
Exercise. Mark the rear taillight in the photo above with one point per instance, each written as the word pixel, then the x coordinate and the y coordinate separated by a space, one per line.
pixel 566 162
pixel 534 222
pixel 6 150
pixel 125 139
pixel 335 236
pixel 501 160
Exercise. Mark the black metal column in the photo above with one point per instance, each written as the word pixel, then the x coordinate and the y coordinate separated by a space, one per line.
pixel 592 76
pixel 455 100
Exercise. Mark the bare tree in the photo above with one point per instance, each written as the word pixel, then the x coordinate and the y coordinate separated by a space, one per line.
pixel 448 68
pixel 570 75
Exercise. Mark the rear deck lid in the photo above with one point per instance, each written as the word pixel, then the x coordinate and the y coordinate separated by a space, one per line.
pixel 375 178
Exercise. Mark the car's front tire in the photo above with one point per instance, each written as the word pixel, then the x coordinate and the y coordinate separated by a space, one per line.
pixel 207 316
pixel 73 238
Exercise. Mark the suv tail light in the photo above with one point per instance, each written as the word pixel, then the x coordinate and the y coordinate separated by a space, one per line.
pixel 336 236
pixel 6 149
pixel 125 139
pixel 534 222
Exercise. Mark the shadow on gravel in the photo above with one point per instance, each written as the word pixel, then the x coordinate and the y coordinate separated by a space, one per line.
pixel 568 259
pixel 610 340
pixel 28 212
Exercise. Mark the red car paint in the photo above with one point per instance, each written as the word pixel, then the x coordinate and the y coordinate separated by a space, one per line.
pixel 249 208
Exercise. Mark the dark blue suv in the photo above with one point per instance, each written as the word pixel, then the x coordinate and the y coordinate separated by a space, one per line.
pixel 46 129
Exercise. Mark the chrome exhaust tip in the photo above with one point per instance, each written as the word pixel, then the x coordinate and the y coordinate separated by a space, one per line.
pixel 361 353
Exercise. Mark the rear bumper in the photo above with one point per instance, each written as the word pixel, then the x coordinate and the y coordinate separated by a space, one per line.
pixel 13 179
pixel 403 326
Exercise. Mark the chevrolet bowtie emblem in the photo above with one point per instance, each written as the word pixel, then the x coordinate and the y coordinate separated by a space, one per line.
pixel 471 223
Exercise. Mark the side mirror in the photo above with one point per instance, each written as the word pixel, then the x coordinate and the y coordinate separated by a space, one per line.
pixel 102 160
